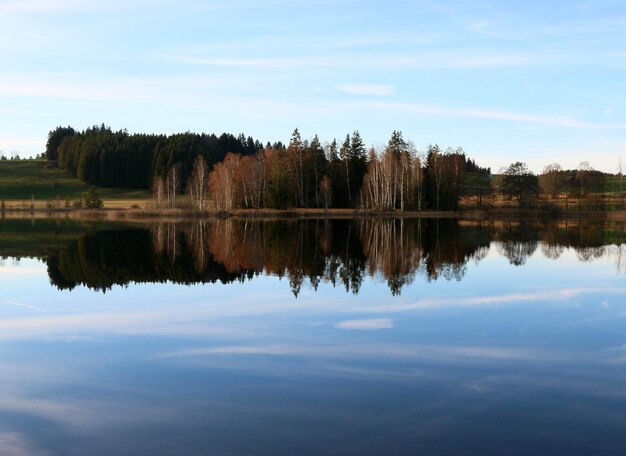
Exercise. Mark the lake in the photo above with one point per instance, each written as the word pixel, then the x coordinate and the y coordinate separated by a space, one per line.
pixel 312 337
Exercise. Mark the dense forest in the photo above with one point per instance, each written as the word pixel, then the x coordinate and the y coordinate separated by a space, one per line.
pixel 230 172
pixel 102 157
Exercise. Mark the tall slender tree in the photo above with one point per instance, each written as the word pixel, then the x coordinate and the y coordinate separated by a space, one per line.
pixel 198 183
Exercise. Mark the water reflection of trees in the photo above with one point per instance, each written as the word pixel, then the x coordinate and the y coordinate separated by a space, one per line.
pixel 339 252
pixel 517 241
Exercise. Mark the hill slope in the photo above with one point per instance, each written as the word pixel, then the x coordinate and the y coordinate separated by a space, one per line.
pixel 24 179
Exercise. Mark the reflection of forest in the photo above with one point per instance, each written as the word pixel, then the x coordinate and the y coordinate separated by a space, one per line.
pixel 340 252
pixel 517 241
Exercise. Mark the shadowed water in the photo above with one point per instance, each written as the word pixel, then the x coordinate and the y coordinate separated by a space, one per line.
pixel 312 337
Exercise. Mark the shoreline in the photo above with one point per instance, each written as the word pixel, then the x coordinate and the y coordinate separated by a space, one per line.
pixel 131 215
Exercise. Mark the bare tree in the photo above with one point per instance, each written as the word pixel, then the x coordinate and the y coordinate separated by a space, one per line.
pixel 225 181
pixel 344 155
pixel 325 191
pixel 172 184
pixel 252 177
pixel 378 182
pixel 553 173
pixel 416 179
pixel 158 190
pixel 394 179
pixel 198 183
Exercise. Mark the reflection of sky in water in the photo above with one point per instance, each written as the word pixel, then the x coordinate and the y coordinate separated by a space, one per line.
pixel 530 359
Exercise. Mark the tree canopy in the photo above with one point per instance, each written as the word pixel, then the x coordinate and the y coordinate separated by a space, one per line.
pixel 520 184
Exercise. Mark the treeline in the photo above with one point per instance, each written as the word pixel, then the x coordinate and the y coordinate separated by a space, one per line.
pixel 583 187
pixel 107 158
pixel 307 174
pixel 16 157
pixel 585 183
pixel 229 172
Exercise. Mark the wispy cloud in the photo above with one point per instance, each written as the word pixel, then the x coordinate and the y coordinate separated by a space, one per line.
pixel 476 113
pixel 82 87
pixel 458 354
pixel 510 28
pixel 369 324
pixel 147 322
pixel 425 60
pixel 70 87
pixel 494 300
pixel 82 413
pixel 26 306
pixel 9 7
pixel 273 350
pixel 360 40
pixel 367 89
pixel 371 351
pixel 19 108
pixel 62 7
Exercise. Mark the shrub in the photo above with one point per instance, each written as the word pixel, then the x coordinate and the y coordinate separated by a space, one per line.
pixel 92 199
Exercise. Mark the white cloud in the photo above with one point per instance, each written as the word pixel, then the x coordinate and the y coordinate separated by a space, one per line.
pixel 495 300
pixel 274 350
pixel 128 323
pixel 19 108
pixel 427 60
pixel 412 351
pixel 26 306
pixel 369 324
pixel 71 87
pixel 478 113
pixel 62 7
pixel 177 89
pixel 367 89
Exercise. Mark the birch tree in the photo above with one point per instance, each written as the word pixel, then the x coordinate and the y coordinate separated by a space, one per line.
pixel 158 190
pixel 172 185
pixel 198 183
pixel 326 191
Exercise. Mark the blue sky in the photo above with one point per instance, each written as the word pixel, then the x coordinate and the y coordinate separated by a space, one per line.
pixel 519 80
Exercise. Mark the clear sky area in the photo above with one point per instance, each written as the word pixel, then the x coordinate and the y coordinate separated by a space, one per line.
pixel 535 81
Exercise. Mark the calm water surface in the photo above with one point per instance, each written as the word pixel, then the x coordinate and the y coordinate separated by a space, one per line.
pixel 317 337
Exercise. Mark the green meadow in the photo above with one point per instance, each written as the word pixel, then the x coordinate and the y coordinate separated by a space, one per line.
pixel 39 179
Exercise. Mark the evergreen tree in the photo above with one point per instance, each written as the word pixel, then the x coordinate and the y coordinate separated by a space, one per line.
pixel 358 164
pixel 55 138
pixel 342 192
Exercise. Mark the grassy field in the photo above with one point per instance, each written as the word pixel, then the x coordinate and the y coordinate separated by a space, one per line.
pixel 27 179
